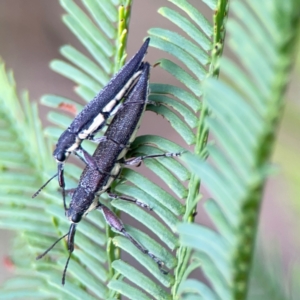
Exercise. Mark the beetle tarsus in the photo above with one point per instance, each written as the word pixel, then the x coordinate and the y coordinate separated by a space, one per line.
pixel 139 159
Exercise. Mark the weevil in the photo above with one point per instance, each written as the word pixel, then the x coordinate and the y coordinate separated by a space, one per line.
pixel 94 115
pixel 109 157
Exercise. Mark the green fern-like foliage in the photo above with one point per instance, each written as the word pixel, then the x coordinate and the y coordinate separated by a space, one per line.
pixel 40 221
pixel 90 76
pixel 241 111
pixel 181 114
pixel 245 108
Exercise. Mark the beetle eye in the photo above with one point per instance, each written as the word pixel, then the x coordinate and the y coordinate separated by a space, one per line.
pixel 76 218
pixel 61 157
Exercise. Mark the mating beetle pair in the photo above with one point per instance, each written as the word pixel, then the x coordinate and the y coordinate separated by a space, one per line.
pixel 94 115
pixel 104 166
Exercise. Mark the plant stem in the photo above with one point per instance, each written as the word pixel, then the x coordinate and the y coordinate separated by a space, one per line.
pixel 248 224
pixel 183 254
pixel 113 252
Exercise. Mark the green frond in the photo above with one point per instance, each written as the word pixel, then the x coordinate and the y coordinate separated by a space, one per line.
pixel 38 221
pixel 179 107
pixel 24 168
pixel 89 76
pixel 105 44
pixel 244 112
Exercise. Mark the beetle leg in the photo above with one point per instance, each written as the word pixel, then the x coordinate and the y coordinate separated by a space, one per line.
pixel 61 182
pixel 127 198
pixel 86 157
pixel 90 161
pixel 152 102
pixel 138 160
pixel 98 139
pixel 70 192
pixel 118 226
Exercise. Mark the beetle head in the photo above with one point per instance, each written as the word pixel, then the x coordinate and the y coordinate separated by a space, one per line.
pixel 67 143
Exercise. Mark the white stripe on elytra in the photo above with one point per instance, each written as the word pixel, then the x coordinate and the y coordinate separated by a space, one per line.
pixel 74 146
pixel 99 119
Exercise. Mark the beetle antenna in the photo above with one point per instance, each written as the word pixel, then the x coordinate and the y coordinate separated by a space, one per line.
pixel 65 270
pixel 43 254
pixel 39 190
